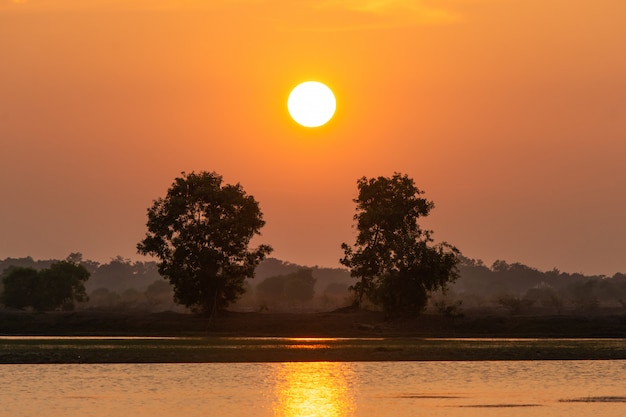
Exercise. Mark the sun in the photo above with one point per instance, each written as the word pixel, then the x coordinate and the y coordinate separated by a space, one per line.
pixel 311 104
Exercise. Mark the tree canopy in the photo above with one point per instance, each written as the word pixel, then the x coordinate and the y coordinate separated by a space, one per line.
pixel 201 232
pixel 395 261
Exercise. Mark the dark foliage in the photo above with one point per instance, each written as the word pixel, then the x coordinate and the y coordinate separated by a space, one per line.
pixel 395 261
pixel 200 232
pixel 58 287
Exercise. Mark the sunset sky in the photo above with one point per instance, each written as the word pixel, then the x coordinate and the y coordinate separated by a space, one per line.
pixel 509 114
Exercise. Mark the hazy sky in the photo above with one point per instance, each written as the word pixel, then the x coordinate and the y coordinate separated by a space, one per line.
pixel 509 114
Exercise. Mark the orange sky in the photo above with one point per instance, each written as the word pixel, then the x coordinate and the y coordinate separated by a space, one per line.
pixel 510 114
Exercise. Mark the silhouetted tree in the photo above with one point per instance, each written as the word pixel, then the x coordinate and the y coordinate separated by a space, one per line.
pixel 59 286
pixel 201 232
pixel 395 261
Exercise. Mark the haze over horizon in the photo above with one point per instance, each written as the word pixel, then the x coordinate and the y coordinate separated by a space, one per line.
pixel 511 116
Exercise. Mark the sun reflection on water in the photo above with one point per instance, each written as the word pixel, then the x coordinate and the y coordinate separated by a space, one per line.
pixel 313 389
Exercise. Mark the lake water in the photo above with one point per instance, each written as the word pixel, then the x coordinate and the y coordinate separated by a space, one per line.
pixel 316 389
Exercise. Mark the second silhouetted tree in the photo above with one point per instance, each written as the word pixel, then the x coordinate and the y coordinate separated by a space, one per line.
pixel 396 263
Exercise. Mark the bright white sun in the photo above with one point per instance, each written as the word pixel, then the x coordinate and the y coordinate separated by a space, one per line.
pixel 311 104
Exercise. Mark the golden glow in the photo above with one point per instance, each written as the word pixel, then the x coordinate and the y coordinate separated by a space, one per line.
pixel 460 95
pixel 313 389
pixel 311 104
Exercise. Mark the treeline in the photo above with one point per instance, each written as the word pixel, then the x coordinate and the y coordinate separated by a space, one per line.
pixel 515 288
pixel 283 286
pixel 118 284
pixel 502 288
pixel 507 288
pixel 123 284
pixel 58 287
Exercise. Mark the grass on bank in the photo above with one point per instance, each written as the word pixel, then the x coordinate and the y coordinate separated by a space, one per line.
pixel 227 349
pixel 347 335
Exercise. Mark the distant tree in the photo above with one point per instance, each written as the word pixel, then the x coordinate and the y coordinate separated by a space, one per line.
pixel 336 294
pixel 300 285
pixel 19 284
pixel 131 299
pixel 271 267
pixel 159 293
pixel 516 277
pixel 515 304
pixel 63 284
pixel 583 297
pixel 451 310
pixel 103 298
pixel 546 296
pixel 120 274
pixel 336 289
pixel 77 258
pixel 26 262
pixel 60 286
pixel 200 232
pixel 297 287
pixel 270 290
pixel 477 279
pixel 394 260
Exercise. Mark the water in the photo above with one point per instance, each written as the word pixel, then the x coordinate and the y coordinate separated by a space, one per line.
pixel 316 389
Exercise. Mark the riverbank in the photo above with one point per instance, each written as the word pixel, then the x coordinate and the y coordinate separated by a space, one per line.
pixel 341 323
pixel 86 349
pixel 98 337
